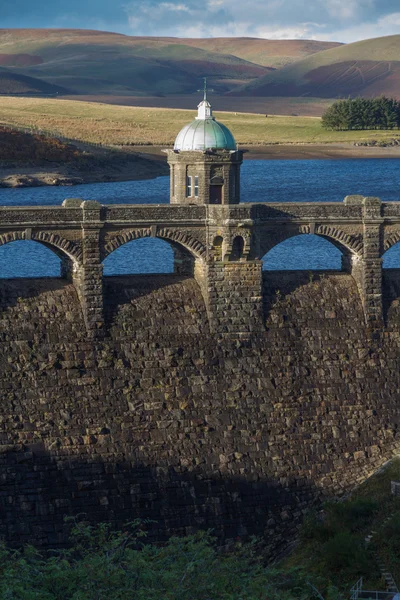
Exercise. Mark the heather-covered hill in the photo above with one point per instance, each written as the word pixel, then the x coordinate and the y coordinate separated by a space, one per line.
pixel 99 62
pixel 12 83
pixel 269 53
pixel 367 68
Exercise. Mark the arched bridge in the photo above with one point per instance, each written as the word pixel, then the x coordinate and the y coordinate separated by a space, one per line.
pixel 220 245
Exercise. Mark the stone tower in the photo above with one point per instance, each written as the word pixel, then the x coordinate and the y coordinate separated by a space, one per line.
pixel 205 162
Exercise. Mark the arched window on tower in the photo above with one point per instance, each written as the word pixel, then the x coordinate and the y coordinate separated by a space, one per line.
pixel 217 247
pixel 237 248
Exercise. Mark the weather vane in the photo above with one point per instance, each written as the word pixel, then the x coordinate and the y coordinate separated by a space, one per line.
pixel 205 88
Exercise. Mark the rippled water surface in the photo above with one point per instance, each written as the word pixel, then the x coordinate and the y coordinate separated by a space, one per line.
pixel 262 181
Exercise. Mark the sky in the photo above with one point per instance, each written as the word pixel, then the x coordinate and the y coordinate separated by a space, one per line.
pixel 336 20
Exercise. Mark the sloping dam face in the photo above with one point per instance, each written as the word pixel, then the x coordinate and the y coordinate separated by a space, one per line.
pixel 163 420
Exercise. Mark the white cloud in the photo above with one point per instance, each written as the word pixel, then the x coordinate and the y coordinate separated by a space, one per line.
pixel 212 4
pixel 347 9
pixel 388 25
pixel 339 20
pixel 174 7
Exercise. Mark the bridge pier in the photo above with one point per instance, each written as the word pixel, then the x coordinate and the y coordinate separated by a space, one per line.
pixel 88 277
pixel 372 262
pixel 234 297
pixel 367 269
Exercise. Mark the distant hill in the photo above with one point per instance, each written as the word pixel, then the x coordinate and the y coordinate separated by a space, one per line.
pixel 96 62
pixel 269 53
pixel 367 68
pixel 101 62
pixel 12 83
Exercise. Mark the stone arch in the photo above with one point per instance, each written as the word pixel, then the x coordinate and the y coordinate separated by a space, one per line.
pixel 13 236
pixel 342 240
pixel 347 244
pixel 391 240
pixel 196 248
pixel 60 246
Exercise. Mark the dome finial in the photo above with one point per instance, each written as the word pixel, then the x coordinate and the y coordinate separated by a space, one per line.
pixel 205 88
pixel 205 111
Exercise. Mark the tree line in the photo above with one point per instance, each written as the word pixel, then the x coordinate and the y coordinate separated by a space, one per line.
pixel 363 113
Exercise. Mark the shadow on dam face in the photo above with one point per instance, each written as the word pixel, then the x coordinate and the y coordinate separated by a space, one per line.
pixel 163 420
pixel 39 489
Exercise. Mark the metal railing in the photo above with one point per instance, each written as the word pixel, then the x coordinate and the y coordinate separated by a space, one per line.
pixel 366 595
pixel 357 593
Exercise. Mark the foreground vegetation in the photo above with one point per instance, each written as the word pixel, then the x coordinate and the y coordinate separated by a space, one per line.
pixel 333 543
pixel 102 564
pixel 122 125
pixel 360 113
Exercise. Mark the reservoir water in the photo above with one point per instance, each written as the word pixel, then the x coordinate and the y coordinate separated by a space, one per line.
pixel 262 181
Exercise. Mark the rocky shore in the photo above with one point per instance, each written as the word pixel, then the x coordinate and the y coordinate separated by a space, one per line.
pixel 30 160
pixel 67 175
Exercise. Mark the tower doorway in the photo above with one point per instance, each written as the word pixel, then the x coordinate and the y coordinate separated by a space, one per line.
pixel 216 194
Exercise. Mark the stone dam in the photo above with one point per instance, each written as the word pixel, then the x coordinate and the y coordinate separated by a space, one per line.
pixel 218 397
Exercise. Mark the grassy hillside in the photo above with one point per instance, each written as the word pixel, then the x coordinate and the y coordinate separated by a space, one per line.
pixel 33 148
pixel 16 83
pixel 333 545
pixel 367 68
pixel 270 53
pixel 101 62
pixel 125 125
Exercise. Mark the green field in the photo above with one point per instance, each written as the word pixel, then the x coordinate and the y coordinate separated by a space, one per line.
pixel 122 125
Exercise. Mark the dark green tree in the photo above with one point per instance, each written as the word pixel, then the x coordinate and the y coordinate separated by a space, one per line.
pixel 362 113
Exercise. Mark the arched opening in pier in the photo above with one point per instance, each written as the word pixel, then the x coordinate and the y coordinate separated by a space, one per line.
pixel 305 252
pixel 217 247
pixel 237 248
pixel 28 259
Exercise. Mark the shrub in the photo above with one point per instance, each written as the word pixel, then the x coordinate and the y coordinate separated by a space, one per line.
pixel 104 564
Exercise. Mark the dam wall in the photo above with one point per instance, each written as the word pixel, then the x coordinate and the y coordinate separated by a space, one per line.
pixel 166 418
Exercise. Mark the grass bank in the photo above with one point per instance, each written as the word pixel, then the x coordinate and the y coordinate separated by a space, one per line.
pixel 333 542
pixel 126 125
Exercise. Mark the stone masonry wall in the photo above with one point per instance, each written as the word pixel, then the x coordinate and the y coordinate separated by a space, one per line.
pixel 163 420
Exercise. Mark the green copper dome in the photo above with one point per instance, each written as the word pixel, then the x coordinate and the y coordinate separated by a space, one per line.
pixel 204 133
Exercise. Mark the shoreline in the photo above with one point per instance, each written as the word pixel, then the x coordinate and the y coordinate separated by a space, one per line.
pixel 338 151
pixel 65 175
pixel 307 151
